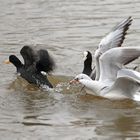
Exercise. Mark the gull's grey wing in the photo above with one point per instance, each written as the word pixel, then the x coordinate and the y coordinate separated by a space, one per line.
pixel 116 37
pixel 114 60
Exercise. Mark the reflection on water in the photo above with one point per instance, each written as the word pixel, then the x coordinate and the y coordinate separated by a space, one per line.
pixel 66 29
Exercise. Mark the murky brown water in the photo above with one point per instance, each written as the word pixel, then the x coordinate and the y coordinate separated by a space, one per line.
pixel 66 28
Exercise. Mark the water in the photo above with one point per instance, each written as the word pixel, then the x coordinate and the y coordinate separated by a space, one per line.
pixel 66 29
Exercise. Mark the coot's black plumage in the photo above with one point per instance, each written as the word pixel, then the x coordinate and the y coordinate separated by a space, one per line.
pixel 88 70
pixel 34 63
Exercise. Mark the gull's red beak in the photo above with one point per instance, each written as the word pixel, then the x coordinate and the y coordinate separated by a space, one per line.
pixel 74 81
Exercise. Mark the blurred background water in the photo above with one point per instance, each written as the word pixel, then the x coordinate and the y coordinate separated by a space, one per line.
pixel 65 28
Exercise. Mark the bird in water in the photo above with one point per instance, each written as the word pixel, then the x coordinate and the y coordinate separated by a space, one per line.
pixel 35 64
pixel 112 80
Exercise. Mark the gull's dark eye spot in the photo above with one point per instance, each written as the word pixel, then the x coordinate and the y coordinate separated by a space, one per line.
pixel 76 79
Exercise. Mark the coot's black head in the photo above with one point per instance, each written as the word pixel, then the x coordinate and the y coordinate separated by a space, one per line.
pixel 15 61
pixel 87 63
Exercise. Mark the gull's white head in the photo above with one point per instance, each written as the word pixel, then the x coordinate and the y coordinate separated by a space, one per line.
pixel 80 77
pixel 85 53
